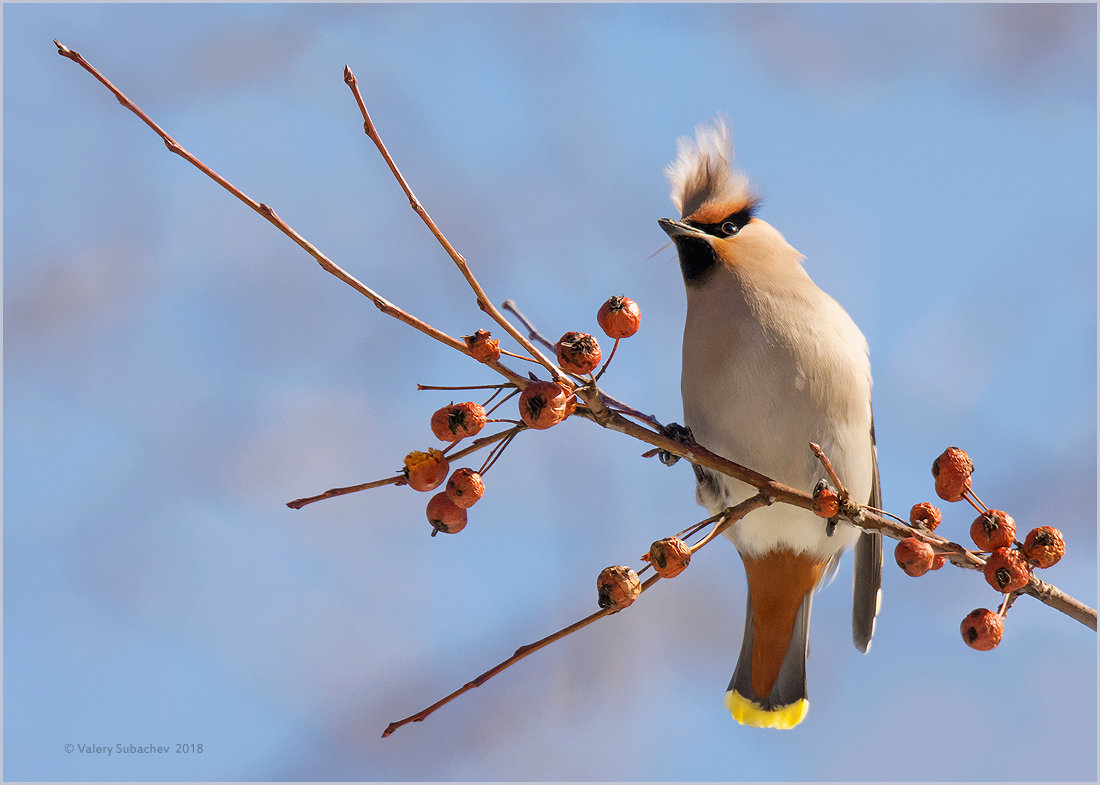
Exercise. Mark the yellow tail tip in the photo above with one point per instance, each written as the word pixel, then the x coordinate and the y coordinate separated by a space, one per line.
pixel 750 713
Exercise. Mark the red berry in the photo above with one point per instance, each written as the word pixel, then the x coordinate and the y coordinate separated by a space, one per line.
pixel 925 514
pixel 1044 546
pixel 578 353
pixel 458 421
pixel 617 587
pixel 483 348
pixel 993 529
pixel 825 503
pixel 1005 570
pixel 425 470
pixel 982 629
pixel 465 487
pixel 669 556
pixel 952 471
pixel 545 404
pixel 619 317
pixel 938 561
pixel 444 515
pixel 914 556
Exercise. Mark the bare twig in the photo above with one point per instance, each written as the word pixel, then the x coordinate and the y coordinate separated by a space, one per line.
pixel 841 491
pixel 483 301
pixel 399 479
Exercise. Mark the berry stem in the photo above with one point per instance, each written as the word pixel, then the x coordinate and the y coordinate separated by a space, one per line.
pixel 497 387
pixel 972 497
pixel 607 362
pixel 841 491
pixel 730 516
pixel 519 654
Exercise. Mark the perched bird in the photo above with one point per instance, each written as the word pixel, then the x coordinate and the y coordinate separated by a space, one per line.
pixel 770 364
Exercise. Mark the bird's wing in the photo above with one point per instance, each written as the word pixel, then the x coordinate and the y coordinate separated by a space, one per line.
pixel 867 580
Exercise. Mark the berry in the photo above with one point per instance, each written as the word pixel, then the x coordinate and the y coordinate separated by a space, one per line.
pixel 483 348
pixel 444 515
pixel 825 503
pixel 545 404
pixel 578 353
pixel 993 529
pixel 617 587
pixel 914 556
pixel 938 561
pixel 1044 546
pixel 669 556
pixel 619 317
pixel 458 421
pixel 952 471
pixel 925 514
pixel 465 487
pixel 1005 570
pixel 425 470
pixel 982 629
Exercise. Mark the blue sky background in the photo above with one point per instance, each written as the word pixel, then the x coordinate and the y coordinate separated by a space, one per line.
pixel 175 370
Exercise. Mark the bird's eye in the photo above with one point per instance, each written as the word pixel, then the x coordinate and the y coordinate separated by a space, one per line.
pixel 729 228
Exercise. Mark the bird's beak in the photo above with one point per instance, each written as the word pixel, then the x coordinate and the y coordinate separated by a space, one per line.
pixel 677 229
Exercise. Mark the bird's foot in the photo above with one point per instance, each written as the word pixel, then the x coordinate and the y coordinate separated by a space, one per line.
pixel 678 433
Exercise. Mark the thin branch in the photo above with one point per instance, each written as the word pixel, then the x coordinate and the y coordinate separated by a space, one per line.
pixel 399 479
pixel 732 515
pixel 842 492
pixel 269 214
pixel 483 301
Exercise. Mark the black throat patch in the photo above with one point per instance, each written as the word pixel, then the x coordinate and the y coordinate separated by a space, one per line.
pixel 697 259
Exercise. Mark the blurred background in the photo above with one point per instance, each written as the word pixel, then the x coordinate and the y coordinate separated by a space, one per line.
pixel 176 370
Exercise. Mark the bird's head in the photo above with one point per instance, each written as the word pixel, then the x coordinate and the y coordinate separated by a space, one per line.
pixel 717 225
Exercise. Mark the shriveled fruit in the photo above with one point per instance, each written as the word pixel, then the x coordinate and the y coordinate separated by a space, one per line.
pixel 483 348
pixel 458 421
pixel 426 470
pixel 952 471
pixel 619 317
pixel 617 587
pixel 982 629
pixel 669 556
pixel 545 404
pixel 465 487
pixel 444 515
pixel 914 556
pixel 1044 546
pixel 578 353
pixel 1005 570
pixel 993 529
pixel 925 514
pixel 825 503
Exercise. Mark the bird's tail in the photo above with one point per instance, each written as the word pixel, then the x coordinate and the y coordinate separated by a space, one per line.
pixel 768 688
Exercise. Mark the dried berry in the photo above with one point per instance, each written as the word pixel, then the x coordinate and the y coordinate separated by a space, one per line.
pixel 993 529
pixel 619 317
pixel 425 470
pixel 444 515
pixel 483 348
pixel 914 556
pixel 578 353
pixel 825 503
pixel 925 514
pixel 669 556
pixel 982 629
pixel 544 404
pixel 617 587
pixel 952 471
pixel 938 561
pixel 1044 546
pixel 465 487
pixel 458 421
pixel 1005 570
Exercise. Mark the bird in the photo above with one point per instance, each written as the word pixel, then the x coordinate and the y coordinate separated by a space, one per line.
pixel 771 363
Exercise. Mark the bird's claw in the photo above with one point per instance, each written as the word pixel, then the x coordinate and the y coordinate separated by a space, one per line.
pixel 678 433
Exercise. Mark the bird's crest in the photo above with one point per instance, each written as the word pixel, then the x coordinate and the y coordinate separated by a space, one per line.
pixel 703 172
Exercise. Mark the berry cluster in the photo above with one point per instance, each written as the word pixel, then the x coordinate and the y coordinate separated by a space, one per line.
pixel 1008 564
pixel 542 404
